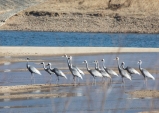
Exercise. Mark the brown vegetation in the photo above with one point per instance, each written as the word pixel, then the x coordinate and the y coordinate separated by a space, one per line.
pixel 89 16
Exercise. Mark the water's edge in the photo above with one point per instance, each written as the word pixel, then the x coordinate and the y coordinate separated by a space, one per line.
pixel 39 51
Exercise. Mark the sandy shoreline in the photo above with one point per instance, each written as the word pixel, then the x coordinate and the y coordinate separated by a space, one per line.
pixel 46 51
pixel 56 51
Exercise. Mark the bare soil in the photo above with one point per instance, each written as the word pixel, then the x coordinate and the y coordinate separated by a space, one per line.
pixel 88 16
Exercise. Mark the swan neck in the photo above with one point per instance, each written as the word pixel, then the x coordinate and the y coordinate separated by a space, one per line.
pixel 103 65
pixel 123 66
pixel 87 66
pixel 118 64
pixel 27 64
pixel 68 62
pixel 70 65
pixel 140 66
pixel 44 66
pixel 50 67
pixel 97 65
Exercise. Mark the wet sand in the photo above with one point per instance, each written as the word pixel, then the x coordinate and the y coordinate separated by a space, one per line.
pixel 27 96
pixel 18 92
pixel 28 88
pixel 144 94
pixel 149 112
pixel 22 91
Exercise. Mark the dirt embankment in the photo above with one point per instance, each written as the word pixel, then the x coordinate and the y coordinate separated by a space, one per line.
pixel 88 16
pixel 8 8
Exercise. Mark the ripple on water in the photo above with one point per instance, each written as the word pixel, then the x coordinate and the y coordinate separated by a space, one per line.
pixel 54 39
pixel 7 70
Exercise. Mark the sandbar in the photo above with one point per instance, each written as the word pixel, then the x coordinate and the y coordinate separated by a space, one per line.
pixel 47 51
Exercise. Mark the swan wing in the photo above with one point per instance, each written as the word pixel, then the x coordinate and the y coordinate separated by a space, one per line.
pixel 34 70
pixel 147 74
pixel 125 74
pixel 59 73
pixel 111 72
pixel 104 73
pixel 80 71
pixel 96 73
pixel 132 70
pixel 76 73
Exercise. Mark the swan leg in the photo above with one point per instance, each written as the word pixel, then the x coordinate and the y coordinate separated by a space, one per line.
pixel 123 82
pixel 50 79
pixel 110 81
pixel 32 79
pixel 146 82
pixel 93 81
pixel 75 81
pixel 102 79
pixel 74 78
pixel 105 79
pixel 57 81
pixel 78 80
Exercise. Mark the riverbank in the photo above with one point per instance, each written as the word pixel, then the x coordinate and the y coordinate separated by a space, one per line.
pixel 48 51
pixel 88 16
pixel 9 8
pixel 15 52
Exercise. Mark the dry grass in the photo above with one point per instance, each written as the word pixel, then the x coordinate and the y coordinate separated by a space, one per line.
pixel 88 16
pixel 126 6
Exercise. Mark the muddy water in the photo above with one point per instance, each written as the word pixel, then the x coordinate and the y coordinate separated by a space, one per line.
pixel 101 98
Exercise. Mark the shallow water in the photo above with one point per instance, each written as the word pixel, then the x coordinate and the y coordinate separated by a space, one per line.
pixel 16 38
pixel 102 98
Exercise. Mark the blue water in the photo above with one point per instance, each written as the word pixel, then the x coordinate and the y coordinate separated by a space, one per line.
pixel 64 39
